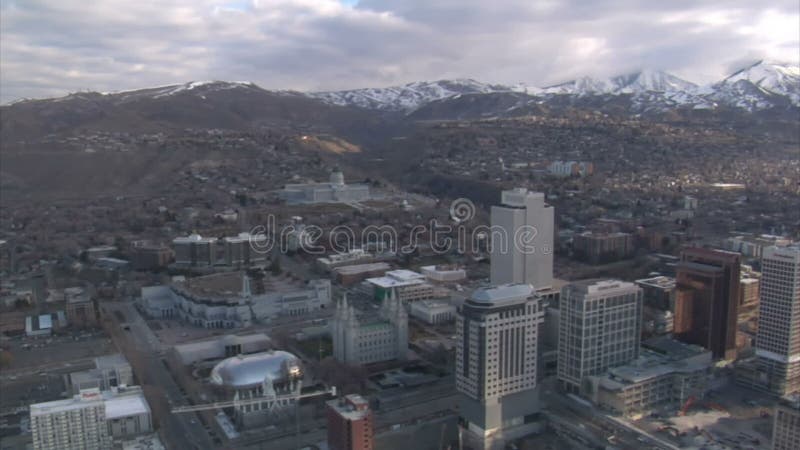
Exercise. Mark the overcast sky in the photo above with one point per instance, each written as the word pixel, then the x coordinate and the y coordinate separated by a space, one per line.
pixel 53 47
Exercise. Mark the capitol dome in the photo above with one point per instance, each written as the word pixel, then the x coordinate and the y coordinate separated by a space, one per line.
pixel 337 177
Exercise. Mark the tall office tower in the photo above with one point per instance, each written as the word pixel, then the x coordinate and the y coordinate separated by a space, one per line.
pixel 350 424
pixel 786 425
pixel 78 422
pixel 778 338
pixel 497 331
pixel 523 251
pixel 707 300
pixel 599 328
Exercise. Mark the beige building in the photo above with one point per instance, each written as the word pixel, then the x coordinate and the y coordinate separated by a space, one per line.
pixel 522 240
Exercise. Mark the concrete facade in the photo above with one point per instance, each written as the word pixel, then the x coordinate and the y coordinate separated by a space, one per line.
pixel 497 331
pixel 778 338
pixel 522 240
pixel 599 328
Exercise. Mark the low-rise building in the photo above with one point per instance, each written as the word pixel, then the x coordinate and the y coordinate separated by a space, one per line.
pixel 348 275
pixel 233 299
pixel 571 168
pixel 44 324
pixel 110 371
pixel 664 376
pixel 753 246
pixel 406 285
pixel 221 347
pixel 147 256
pixel 433 312
pixel 602 247
pixel 352 257
pixel 334 191
pixel 444 273
pixel 80 308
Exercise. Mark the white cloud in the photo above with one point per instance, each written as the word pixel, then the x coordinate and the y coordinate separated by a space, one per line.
pixel 52 47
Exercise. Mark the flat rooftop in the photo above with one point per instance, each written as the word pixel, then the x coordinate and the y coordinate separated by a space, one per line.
pixel 125 405
pixel 653 362
pixel 351 407
pixel 361 268
pixel 397 278
pixel 661 282
pixel 110 361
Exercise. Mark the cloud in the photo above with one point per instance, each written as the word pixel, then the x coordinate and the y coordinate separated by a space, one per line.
pixel 52 47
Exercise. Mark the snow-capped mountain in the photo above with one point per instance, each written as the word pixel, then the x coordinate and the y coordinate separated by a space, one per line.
pixel 759 86
pixel 636 82
pixel 407 97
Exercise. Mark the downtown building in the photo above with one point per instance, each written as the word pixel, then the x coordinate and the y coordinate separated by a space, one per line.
pixel 786 425
pixel 778 337
pixel 350 424
pixel 90 420
pixel 707 300
pixel 496 362
pixel 522 240
pixel 599 328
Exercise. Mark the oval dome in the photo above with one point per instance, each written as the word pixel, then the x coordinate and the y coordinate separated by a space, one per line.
pixel 245 371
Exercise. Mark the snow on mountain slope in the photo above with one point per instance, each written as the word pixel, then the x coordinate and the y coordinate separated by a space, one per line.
pixel 642 81
pixel 754 84
pixel 407 97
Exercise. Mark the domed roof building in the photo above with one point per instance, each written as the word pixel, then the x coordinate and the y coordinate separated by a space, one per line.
pixel 251 371
pixel 334 191
pixel 276 376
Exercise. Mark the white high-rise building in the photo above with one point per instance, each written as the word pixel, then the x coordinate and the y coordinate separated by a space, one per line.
pixel 78 422
pixel 599 328
pixel 778 338
pixel 497 331
pixel 522 240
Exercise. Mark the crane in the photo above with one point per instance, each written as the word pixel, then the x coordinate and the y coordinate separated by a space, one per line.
pixel 689 402
pixel 273 400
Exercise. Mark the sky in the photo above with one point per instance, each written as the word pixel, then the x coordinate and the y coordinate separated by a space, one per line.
pixel 54 47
